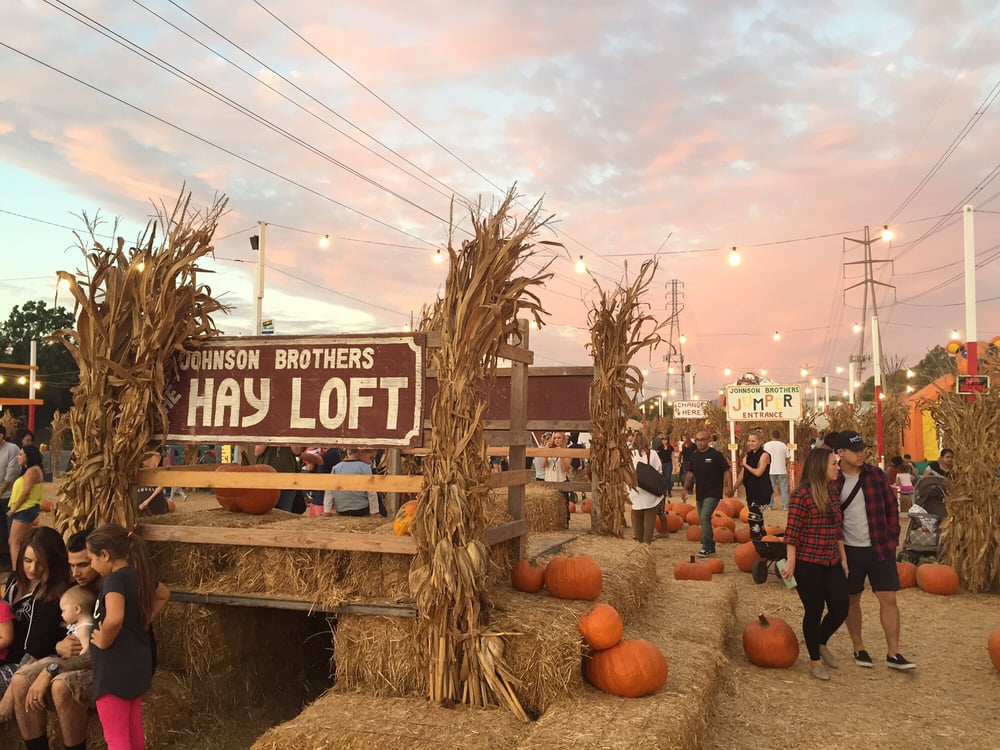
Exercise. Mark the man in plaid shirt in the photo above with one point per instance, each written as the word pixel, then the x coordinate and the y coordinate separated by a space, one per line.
pixel 871 533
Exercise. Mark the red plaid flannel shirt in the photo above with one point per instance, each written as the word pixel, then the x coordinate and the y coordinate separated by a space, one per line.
pixel 813 534
pixel 883 510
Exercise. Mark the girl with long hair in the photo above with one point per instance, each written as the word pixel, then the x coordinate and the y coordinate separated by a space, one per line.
pixel 815 542
pixel 25 497
pixel 644 504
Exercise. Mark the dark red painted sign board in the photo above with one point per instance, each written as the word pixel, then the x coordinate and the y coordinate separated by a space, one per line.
pixel 973 384
pixel 327 390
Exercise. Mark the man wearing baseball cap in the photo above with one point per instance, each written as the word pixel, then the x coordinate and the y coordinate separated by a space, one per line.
pixel 871 532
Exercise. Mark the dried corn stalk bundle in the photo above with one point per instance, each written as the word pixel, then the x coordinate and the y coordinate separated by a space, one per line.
pixel 448 578
pixel 970 536
pixel 10 422
pixel 895 418
pixel 843 417
pixel 57 441
pixel 616 322
pixel 136 308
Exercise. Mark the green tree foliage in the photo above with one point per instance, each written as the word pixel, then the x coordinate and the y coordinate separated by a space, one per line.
pixel 57 372
pixel 935 363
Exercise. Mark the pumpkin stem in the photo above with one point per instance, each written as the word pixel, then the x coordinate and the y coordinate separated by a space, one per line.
pixel 763 621
pixel 692 558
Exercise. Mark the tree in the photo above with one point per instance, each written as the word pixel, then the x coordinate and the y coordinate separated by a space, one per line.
pixel 57 371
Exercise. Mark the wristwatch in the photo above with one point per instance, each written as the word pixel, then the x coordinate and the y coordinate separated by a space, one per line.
pixel 52 669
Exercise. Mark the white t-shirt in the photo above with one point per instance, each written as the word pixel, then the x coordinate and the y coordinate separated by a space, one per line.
pixel 856 532
pixel 639 498
pixel 553 470
pixel 778 452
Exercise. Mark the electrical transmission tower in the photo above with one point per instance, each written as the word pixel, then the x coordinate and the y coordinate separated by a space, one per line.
pixel 675 349
pixel 870 302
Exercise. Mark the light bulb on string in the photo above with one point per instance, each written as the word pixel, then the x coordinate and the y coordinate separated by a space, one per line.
pixel 777 336
pixel 886 233
pixel 734 257
pixel 581 267
pixel 324 241
pixel 683 339
pixel 955 335
pixel 438 257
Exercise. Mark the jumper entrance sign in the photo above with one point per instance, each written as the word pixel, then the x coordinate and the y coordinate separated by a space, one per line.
pixel 763 403
pixel 328 390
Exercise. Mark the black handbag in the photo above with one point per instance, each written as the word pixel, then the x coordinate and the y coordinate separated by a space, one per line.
pixel 649 479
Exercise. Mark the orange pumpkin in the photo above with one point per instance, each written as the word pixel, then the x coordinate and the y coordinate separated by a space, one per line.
pixel 723 522
pixel 722 535
pixel 937 579
pixel 993 648
pixel 682 509
pixel 404 518
pixel 171 506
pixel 771 538
pixel 716 565
pixel 773 530
pixel 586 506
pixel 256 502
pixel 527 577
pixel 693 533
pixel 744 514
pixel 601 627
pixel 907 573
pixel 742 534
pixel 572 507
pixel 674 522
pixel 573 578
pixel 45 506
pixel 631 669
pixel 692 518
pixel 731 506
pixel 769 642
pixel 745 556
pixel 692 571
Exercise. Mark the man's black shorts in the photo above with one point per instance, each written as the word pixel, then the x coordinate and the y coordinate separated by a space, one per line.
pixel 862 563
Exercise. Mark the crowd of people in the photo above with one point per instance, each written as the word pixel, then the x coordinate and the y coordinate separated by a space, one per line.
pixel 76 632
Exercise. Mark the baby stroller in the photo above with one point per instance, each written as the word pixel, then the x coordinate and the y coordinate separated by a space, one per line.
pixel 923 531
pixel 772 552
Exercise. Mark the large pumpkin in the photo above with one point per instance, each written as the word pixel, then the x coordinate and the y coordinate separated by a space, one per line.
pixel 993 647
pixel 716 565
pixel 722 535
pixel 692 571
pixel 744 514
pixel 404 517
pixel 573 578
pixel 586 506
pixel 742 534
pixel 745 556
pixel 525 576
pixel 721 521
pixel 256 502
pixel 693 533
pixel 692 518
pixel 631 669
pixel 937 579
pixel 907 573
pixel 769 642
pixel 602 627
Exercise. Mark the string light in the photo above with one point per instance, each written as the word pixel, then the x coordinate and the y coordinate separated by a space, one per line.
pixel 581 267
pixel 727 372
pixel 22 380
pixel 438 258
pixel 803 372
pixel 324 241
pixel 763 372
pixel 887 234
pixel 734 257
pixel 683 339
pixel 955 334
pixel 777 336
pixel 857 328
pixel 840 370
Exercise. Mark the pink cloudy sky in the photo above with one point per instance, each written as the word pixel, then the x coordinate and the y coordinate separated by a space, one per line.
pixel 710 123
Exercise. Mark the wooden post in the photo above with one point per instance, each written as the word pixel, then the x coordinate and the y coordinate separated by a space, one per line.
pixel 518 426
pixel 394 467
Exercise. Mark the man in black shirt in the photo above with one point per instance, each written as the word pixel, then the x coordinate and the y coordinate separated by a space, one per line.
pixel 708 470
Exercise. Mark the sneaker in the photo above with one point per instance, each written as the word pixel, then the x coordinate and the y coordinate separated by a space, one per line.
pixel 862 659
pixel 829 659
pixel 819 671
pixel 899 662
pixel 705 553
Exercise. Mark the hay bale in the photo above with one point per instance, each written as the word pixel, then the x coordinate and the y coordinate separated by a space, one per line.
pixel 382 656
pixel 544 507
pixel 338 721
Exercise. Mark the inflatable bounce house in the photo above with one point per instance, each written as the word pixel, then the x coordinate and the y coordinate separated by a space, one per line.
pixel 920 438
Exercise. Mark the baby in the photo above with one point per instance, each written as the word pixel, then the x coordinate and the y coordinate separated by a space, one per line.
pixel 77 606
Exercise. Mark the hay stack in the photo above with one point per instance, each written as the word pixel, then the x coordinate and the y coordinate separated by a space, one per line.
pixel 477 313
pixel 136 307
pixel 970 536
pixel 544 507
pixel 616 336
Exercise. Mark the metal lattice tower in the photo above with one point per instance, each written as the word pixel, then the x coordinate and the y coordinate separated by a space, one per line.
pixel 675 350
pixel 869 283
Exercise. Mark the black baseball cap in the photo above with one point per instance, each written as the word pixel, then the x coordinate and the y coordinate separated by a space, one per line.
pixel 849 441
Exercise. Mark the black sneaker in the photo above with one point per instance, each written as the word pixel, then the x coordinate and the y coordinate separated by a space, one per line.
pixel 899 662
pixel 705 553
pixel 862 659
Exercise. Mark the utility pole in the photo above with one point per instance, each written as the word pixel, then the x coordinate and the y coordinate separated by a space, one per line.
pixel 675 349
pixel 258 243
pixel 870 306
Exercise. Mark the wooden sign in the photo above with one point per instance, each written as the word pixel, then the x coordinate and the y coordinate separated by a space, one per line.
pixel 973 385
pixel 763 403
pixel 690 409
pixel 326 390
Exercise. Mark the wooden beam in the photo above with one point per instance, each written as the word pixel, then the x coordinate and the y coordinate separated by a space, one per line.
pixel 10 401
pixel 385 609
pixel 512 478
pixel 516 353
pixel 506 531
pixel 497 441
pixel 530 452
pixel 279 481
pixel 264 537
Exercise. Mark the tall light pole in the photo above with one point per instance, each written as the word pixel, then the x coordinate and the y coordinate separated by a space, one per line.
pixel 258 243
pixel 877 366
pixel 971 345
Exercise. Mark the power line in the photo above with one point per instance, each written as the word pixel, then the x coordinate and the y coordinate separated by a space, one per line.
pixel 214 145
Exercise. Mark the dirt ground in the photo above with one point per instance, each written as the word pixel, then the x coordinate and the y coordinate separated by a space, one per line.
pixel 952 700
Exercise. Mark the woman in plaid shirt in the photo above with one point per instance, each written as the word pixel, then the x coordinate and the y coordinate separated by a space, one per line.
pixel 815 540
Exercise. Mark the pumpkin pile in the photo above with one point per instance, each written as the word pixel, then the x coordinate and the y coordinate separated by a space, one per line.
pixel 564 577
pixel 630 669
pixel 769 642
